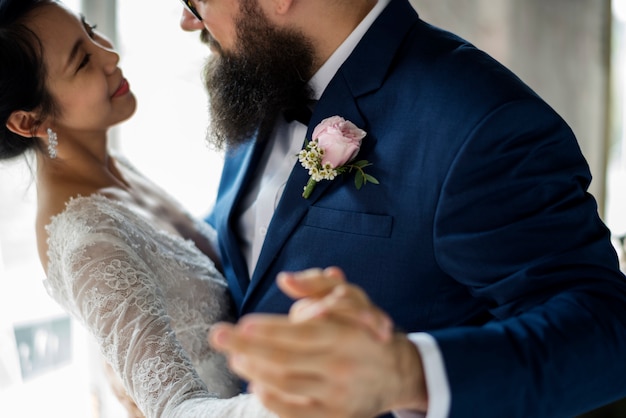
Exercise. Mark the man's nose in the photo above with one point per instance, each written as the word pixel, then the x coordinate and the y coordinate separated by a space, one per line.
pixel 188 21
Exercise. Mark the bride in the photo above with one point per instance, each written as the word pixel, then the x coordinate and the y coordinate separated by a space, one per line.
pixel 120 255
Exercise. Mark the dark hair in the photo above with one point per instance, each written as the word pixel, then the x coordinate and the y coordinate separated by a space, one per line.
pixel 22 75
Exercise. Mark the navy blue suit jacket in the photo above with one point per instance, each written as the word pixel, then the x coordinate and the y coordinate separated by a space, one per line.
pixel 481 231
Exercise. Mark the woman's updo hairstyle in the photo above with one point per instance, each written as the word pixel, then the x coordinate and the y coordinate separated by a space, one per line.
pixel 22 74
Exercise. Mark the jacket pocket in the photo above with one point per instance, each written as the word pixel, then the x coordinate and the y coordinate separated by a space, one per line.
pixel 349 222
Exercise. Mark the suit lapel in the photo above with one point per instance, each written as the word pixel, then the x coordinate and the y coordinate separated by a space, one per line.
pixel 248 156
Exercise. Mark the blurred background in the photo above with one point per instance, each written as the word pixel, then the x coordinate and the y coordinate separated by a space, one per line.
pixel 572 52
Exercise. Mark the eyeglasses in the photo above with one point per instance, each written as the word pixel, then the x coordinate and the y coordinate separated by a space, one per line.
pixel 189 5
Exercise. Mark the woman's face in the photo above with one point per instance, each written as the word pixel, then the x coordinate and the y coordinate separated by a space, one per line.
pixel 88 87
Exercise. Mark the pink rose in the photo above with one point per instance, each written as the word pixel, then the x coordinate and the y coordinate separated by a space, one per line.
pixel 340 139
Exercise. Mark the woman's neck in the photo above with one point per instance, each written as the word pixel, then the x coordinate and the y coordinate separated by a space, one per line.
pixel 82 165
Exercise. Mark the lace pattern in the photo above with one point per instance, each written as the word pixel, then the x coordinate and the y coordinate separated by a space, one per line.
pixel 149 298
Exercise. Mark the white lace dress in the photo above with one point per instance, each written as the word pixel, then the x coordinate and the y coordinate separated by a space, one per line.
pixel 149 297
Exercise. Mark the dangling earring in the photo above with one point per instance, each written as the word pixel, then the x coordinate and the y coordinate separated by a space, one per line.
pixel 52 143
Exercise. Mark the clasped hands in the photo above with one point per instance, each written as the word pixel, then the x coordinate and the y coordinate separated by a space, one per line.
pixel 334 355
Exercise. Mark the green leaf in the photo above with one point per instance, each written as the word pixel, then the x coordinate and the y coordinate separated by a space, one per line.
pixel 371 179
pixel 361 164
pixel 358 180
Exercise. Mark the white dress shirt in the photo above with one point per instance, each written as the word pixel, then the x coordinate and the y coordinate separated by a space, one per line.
pixel 258 205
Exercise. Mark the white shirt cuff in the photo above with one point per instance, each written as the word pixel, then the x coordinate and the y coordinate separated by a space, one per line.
pixel 435 376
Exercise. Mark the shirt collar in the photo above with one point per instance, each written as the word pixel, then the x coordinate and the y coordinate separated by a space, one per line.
pixel 322 77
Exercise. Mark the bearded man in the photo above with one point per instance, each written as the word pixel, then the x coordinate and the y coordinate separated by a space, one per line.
pixel 472 228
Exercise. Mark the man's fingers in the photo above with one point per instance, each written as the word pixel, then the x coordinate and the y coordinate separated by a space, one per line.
pixel 310 283
pixel 338 298
pixel 274 332
pixel 276 356
pixel 348 302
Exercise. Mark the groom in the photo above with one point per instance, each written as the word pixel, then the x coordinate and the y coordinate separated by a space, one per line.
pixel 479 241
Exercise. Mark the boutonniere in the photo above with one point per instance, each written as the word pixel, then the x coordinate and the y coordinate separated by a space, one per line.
pixel 336 142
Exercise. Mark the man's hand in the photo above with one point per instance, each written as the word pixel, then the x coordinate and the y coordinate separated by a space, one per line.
pixel 326 293
pixel 327 364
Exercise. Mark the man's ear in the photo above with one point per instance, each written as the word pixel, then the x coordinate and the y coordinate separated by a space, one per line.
pixel 24 124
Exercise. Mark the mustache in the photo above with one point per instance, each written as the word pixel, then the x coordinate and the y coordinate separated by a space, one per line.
pixel 208 39
pixel 205 37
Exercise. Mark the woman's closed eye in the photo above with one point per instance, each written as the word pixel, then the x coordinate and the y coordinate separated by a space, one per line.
pixel 84 62
pixel 90 29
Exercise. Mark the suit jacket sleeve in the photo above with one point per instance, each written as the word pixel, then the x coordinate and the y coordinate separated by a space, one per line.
pixel 528 241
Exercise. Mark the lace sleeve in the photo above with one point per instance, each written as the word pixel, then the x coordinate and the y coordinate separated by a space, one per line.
pixel 110 280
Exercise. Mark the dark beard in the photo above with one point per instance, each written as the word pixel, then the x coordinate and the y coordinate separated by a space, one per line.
pixel 250 87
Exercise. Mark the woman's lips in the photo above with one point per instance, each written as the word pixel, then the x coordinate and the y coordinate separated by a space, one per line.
pixel 122 89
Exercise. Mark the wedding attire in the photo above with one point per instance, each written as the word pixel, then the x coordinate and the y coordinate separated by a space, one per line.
pixel 481 232
pixel 149 297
